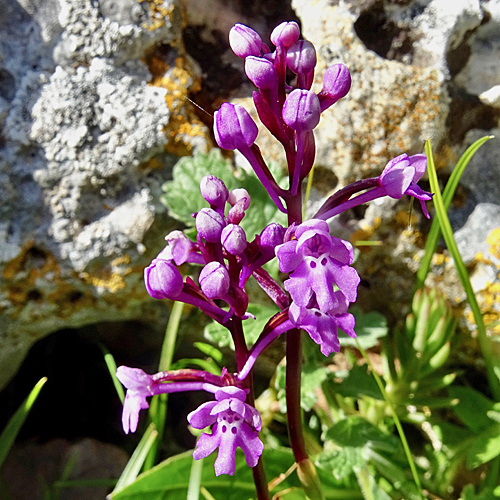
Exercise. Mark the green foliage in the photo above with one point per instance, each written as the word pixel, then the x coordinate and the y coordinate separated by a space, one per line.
pixel 15 423
pixel 370 327
pixel 183 198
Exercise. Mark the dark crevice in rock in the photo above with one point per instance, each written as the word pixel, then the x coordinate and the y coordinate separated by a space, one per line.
pixel 209 46
pixel 382 35
pixel 467 112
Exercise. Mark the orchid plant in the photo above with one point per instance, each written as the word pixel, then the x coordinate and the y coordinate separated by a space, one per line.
pixel 321 281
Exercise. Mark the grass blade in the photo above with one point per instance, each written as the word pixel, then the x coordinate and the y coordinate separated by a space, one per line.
pixel 111 364
pixel 158 406
pixel 442 217
pixel 449 191
pixel 14 425
pixel 136 461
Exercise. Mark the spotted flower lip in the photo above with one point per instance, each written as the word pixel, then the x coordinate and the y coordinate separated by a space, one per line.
pixel 235 424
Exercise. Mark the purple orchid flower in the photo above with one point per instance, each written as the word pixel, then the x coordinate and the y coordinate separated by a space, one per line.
pixel 235 424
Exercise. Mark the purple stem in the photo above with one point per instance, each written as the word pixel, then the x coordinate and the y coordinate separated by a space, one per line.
pixel 354 202
pixel 260 345
pixel 254 157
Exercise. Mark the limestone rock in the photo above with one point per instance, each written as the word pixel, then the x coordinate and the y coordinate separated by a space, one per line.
pixel 91 101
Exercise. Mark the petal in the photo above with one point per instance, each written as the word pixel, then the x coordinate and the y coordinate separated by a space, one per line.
pixel 419 163
pixel 397 181
pixel 202 416
pixel 132 406
pixel 135 379
pixel 206 444
pixel 225 463
pixel 248 440
pixel 230 392
pixel 288 259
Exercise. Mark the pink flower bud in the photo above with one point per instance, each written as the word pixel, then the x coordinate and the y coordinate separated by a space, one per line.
pixel 286 34
pixel 244 41
pixel 301 111
pixel 214 280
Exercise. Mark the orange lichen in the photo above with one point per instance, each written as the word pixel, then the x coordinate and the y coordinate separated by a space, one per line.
pixel 179 82
pixel 159 12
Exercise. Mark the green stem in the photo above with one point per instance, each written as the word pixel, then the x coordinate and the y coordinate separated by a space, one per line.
pixel 397 422
pixel 158 406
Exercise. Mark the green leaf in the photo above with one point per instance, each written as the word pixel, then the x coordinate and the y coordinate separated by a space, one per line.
pixel 472 407
pixel 369 328
pixel 449 191
pixel 444 223
pixel 359 383
pixel 111 365
pixel 357 432
pixel 209 350
pixel 219 335
pixel 137 459
pixel 485 447
pixel 469 493
pixel 15 423
pixel 341 463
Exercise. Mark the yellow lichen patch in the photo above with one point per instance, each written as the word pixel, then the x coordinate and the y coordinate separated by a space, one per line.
pixel 405 218
pixel 493 241
pixel 31 263
pixel 438 259
pixel 112 283
pixel 179 82
pixel 111 280
pixel 159 12
pixel 489 302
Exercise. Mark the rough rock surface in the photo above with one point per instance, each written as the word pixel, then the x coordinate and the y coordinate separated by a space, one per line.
pixel 84 152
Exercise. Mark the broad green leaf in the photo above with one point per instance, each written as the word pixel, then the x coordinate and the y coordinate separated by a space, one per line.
pixel 15 423
pixel 216 333
pixel 341 463
pixel 485 447
pixel 369 328
pixel 359 383
pixel 357 432
pixel 472 407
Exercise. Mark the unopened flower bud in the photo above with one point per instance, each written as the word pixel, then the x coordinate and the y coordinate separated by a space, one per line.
pixel 209 224
pixel 336 84
pixel 286 34
pixel 301 57
pixel 270 237
pixel 234 128
pixel 214 280
pixel 234 239
pixel 163 280
pixel 214 191
pixel 244 41
pixel 239 194
pixel 261 72
pixel 301 111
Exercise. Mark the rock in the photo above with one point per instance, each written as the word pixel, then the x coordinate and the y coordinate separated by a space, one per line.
pixel 92 118
pixel 31 468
